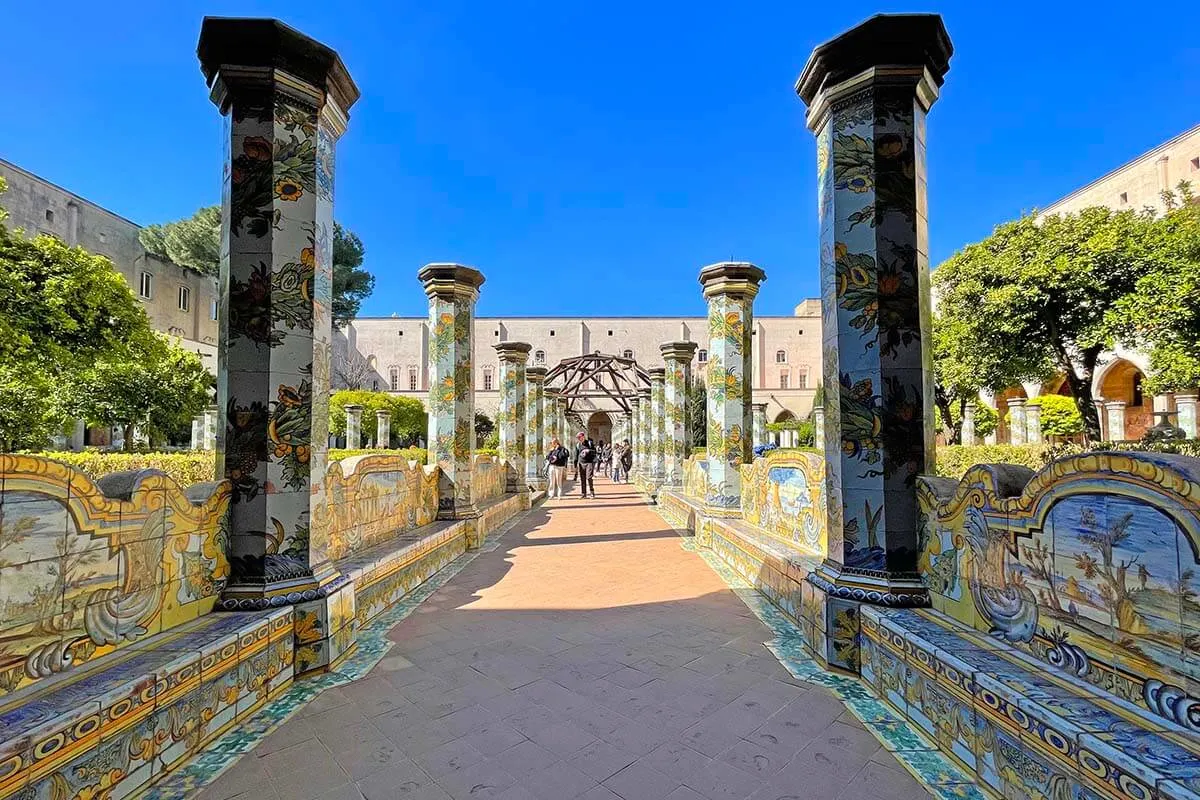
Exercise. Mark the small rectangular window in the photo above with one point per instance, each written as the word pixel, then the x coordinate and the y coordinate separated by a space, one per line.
pixel 784 380
pixel 702 356
pixel 1195 164
pixel 394 379
pixel 551 333
pixel 212 308
pixel 412 379
pixel 49 215
pixel 1124 198
pixel 487 380
pixel 802 380
pixel 146 285
pixel 185 298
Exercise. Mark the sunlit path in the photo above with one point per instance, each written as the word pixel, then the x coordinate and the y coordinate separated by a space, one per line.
pixel 589 655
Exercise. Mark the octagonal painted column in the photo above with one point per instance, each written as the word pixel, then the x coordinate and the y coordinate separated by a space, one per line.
pixel 535 381
pixel 868 92
pixel 657 425
pixel 647 455
pixel 549 420
pixel 511 416
pixel 353 427
pixel 758 413
pixel 452 290
pixel 677 438
pixel 635 420
pixel 383 428
pixel 285 98
pixel 730 288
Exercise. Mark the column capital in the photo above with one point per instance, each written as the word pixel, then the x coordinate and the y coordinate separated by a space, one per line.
pixel 657 375
pixel 354 409
pixel 731 277
pixel 1016 401
pixel 382 412
pixel 760 407
pixel 678 351
pixel 238 52
pixel 535 374
pixel 644 392
pixel 1115 403
pixel 886 48
pixel 448 281
pixel 513 352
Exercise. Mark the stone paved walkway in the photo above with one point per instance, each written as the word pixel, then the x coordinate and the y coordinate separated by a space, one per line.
pixel 588 656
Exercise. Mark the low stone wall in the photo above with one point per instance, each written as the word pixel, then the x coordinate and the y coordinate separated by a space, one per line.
pixel 87 567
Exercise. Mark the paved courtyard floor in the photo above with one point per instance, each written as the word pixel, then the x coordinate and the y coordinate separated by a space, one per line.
pixel 589 656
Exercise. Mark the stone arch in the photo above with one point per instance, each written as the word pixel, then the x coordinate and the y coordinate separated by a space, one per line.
pixel 1121 381
pixel 600 426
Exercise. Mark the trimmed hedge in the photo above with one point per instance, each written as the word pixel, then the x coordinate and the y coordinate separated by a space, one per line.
pixel 951 461
pixel 185 468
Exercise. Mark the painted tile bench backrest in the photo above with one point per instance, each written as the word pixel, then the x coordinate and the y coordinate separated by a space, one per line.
pixel 373 498
pixel 89 566
pixel 783 492
pixel 1091 565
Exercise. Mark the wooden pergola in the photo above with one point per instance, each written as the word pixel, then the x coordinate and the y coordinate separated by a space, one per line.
pixel 597 376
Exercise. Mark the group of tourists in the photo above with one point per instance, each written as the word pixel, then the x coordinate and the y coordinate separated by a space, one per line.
pixel 587 458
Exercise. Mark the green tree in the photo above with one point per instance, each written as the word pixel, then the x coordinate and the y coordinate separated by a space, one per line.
pixel 484 427
pixel 1037 297
pixel 1059 416
pixel 61 310
pixel 1162 313
pixel 196 242
pixel 409 421
pixel 155 384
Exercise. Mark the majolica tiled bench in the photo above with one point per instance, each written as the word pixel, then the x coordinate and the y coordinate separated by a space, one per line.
pixel 125 718
pixel 1024 728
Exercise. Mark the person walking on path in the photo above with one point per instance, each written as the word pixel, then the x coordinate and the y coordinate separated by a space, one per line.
pixel 585 464
pixel 556 466
pixel 623 461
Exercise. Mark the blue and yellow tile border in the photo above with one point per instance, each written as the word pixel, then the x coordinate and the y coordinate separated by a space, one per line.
pixel 910 747
pixel 373 645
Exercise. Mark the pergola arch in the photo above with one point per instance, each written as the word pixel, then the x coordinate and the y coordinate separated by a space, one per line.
pixel 597 376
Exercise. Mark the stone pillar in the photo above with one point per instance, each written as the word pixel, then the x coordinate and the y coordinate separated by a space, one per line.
pixel 635 419
pixel 535 456
pixel 383 428
pixel 1033 423
pixel 645 458
pixel 657 426
pixel 212 423
pixel 967 434
pixel 868 92
pixel 1116 420
pixel 1186 405
pixel 759 421
pixel 818 420
pixel 677 438
pixel 730 289
pixel 197 442
pixel 452 290
pixel 1018 424
pixel 285 98
pixel 511 416
pixel 549 420
pixel 353 427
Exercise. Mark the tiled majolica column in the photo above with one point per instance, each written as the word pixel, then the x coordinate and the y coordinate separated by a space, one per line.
pixel 383 428
pixel 677 439
pixel 511 416
pixel 647 454
pixel 535 381
pixel 353 427
pixel 285 98
pixel 452 290
pixel 868 92
pixel 564 431
pixel 635 420
pixel 549 420
pixel 1186 404
pixel 758 415
pixel 730 289
pixel 1018 425
pixel 658 425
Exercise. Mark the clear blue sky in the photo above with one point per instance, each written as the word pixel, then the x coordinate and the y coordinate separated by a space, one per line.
pixel 590 158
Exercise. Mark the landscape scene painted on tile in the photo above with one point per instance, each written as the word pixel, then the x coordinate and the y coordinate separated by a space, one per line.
pixel 1092 569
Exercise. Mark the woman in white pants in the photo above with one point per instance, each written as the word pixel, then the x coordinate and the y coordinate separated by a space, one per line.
pixel 556 465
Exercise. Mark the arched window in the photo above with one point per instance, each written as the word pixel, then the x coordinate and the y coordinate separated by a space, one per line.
pixel 626 354
pixel 394 379
pixel 785 379
pixel 702 356
pixel 802 378
pixel 487 378
pixel 412 378
pixel 539 356
pixel 781 356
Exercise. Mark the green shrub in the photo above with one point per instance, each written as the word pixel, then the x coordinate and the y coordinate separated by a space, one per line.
pixel 952 461
pixel 487 451
pixel 185 468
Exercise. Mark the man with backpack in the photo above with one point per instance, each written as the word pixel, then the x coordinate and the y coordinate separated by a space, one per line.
pixel 585 464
